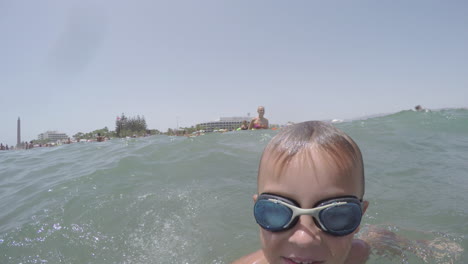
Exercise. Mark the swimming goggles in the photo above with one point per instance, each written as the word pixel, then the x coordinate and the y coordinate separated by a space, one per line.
pixel 338 217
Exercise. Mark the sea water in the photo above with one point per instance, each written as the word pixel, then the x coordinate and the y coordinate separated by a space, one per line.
pixel 168 199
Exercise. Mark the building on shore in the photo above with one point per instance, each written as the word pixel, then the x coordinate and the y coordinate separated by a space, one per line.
pixel 228 123
pixel 52 136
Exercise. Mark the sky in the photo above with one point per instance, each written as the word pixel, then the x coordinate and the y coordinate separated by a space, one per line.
pixel 74 66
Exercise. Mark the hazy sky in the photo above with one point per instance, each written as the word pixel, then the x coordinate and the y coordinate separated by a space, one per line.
pixel 74 66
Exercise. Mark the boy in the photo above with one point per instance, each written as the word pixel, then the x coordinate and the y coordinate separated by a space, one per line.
pixel 310 198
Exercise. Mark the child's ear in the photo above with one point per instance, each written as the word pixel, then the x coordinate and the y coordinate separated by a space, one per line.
pixel 365 204
pixel 254 197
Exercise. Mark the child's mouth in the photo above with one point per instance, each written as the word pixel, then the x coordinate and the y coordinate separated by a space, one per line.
pixel 301 261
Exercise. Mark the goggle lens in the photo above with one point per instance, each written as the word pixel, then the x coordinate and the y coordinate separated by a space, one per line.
pixel 272 216
pixel 341 220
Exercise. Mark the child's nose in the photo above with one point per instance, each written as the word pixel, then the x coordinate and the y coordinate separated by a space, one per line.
pixel 305 233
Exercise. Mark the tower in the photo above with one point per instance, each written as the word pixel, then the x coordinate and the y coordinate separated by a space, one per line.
pixel 18 134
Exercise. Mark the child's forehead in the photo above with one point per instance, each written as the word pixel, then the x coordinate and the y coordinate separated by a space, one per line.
pixel 305 160
pixel 308 166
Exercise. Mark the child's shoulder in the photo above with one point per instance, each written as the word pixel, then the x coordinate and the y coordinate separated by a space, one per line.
pixel 359 253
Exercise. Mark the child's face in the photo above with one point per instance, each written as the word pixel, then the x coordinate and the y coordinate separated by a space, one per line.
pixel 307 184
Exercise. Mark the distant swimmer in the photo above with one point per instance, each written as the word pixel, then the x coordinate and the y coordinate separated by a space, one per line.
pixel 418 108
pixel 259 122
pixel 244 125
pixel 99 138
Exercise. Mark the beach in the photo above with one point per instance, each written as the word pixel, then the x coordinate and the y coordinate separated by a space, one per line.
pixel 164 199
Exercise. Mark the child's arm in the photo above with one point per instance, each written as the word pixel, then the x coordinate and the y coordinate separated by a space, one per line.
pixel 384 242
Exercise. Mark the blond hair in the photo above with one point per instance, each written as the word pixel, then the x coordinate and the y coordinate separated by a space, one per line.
pixel 311 136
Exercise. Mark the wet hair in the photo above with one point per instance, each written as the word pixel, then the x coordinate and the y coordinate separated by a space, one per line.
pixel 310 136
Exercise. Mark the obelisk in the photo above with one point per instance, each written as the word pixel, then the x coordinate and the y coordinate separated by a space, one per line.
pixel 18 135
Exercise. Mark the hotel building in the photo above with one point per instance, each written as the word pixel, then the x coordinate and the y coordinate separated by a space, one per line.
pixel 228 123
pixel 52 136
